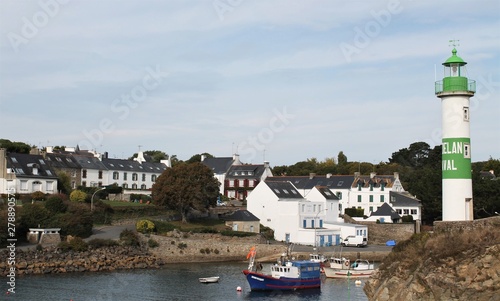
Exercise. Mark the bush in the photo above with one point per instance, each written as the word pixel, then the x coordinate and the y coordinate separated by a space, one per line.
pixel 407 219
pixel 77 196
pixel 100 243
pixel 182 245
pixel 237 233
pixel 38 196
pixel 153 243
pixel 129 238
pixel 163 227
pixel 78 244
pixel 102 213
pixel 56 204
pixel 145 226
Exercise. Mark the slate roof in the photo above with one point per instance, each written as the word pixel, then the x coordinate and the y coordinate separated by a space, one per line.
pixel 386 210
pixel 61 161
pixel 403 199
pixel 284 190
pixel 219 165
pixel 241 215
pixel 131 165
pixel 245 171
pixel 376 181
pixel 327 193
pixel 22 165
pixel 89 162
pixel 308 182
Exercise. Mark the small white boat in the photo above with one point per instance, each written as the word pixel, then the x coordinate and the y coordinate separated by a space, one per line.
pixel 214 279
pixel 343 268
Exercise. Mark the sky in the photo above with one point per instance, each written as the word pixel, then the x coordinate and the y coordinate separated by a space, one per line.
pixel 280 81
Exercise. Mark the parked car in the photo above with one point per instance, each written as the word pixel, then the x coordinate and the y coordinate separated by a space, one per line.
pixel 355 241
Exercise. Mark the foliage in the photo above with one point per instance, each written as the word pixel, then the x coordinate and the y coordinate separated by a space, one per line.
pixel 407 219
pixel 33 216
pixel 38 196
pixel 55 203
pixel 267 232
pixel 355 212
pixel 77 196
pixel 102 213
pixel 15 147
pixel 185 187
pixel 237 233
pixel 143 197
pixel 163 227
pixel 100 243
pixel 77 221
pixel 182 245
pixel 152 243
pixel 197 157
pixel 63 182
pixel 76 244
pixel 486 191
pixel 129 238
pixel 145 226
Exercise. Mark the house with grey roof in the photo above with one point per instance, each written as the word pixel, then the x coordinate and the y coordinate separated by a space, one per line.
pixel 237 179
pixel 281 207
pixel 242 220
pixel 406 204
pixel 25 174
pixel 385 214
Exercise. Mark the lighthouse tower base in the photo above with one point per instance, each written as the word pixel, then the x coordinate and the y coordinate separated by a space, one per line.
pixel 457 200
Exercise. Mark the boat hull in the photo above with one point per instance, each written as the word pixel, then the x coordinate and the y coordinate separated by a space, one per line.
pixel 262 282
pixel 343 273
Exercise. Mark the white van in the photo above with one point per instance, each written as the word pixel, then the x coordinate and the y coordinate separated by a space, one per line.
pixel 355 241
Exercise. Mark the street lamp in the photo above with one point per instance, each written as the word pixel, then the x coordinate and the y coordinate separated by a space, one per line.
pixel 315 227
pixel 92 198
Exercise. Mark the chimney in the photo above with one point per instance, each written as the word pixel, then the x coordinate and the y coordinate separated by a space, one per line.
pixel 34 151
pixel 203 157
pixel 236 159
pixel 356 174
pixel 328 175
pixel 312 175
pixel 396 175
pixel 266 164
pixel 372 175
pixel 49 149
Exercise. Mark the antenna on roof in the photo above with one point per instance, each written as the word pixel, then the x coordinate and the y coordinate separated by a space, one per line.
pixel 264 155
pixel 139 147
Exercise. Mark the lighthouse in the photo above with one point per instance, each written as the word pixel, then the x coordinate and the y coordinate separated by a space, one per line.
pixel 455 91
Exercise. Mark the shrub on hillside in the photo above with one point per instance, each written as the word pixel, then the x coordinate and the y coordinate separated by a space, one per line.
pixel 145 226
pixel 56 204
pixel 237 233
pixel 163 227
pixel 100 243
pixel 38 196
pixel 129 238
pixel 77 196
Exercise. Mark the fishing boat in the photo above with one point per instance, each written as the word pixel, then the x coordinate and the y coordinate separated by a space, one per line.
pixel 343 268
pixel 213 279
pixel 286 274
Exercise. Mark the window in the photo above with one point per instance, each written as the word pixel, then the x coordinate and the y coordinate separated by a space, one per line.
pixel 406 211
pixel 359 199
pixel 371 198
pixel 340 207
pixel 359 186
pixel 143 186
pixel 125 176
pixel 100 174
pixel 381 198
pixel 153 178
pixel 73 184
pixel 413 211
pixel 382 186
pixel 134 177
pixel 241 183
pixel 14 160
pixel 84 173
pixel 371 186
pixel 466 150
pixel 24 185
pixel 125 185
pixel 399 211
pixel 134 186
pixel 144 177
pixel 339 195
pixel 116 175
pixel 84 183
pixel 371 209
pixel 466 113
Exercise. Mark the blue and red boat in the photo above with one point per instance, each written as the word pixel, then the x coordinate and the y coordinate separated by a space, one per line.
pixel 285 274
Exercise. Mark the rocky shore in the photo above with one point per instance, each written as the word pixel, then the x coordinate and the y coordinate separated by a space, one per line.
pixel 51 260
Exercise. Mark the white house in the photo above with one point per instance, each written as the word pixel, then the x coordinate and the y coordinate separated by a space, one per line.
pixel 296 219
pixel 25 174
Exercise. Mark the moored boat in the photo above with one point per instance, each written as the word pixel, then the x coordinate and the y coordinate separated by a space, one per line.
pixel 343 268
pixel 213 279
pixel 285 274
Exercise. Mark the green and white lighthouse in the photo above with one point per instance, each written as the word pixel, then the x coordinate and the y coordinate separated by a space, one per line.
pixel 455 90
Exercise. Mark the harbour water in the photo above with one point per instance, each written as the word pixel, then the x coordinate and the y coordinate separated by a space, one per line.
pixel 173 282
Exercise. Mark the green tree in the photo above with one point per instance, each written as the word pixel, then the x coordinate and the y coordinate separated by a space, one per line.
pixel 63 182
pixel 415 156
pixel 55 204
pixel 77 196
pixel 185 187
pixel 15 147
pixel 197 157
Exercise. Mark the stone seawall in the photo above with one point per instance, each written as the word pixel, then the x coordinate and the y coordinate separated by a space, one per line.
pixel 51 260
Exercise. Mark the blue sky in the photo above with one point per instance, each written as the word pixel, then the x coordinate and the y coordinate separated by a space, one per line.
pixel 282 81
